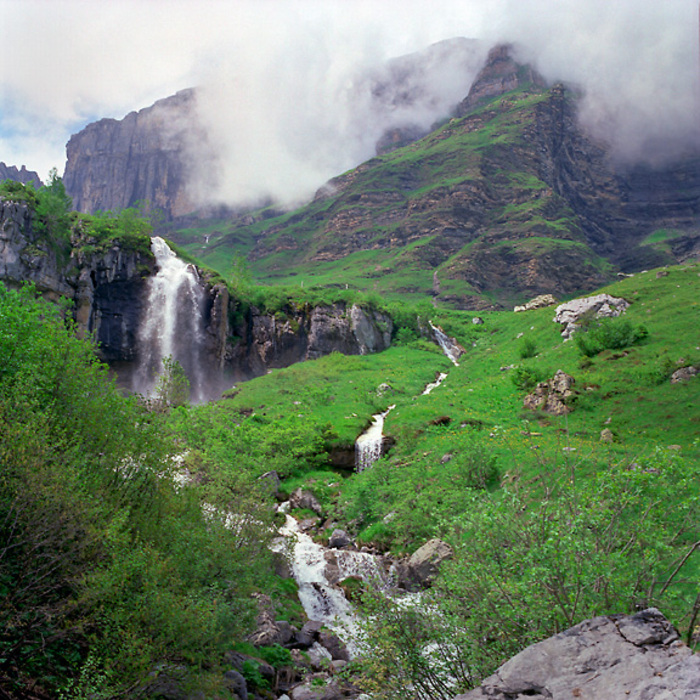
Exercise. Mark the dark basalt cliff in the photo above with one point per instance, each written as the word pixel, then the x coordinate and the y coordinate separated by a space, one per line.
pixel 113 164
pixel 108 289
pixel 264 341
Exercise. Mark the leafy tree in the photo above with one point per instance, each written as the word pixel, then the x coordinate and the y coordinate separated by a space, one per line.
pixel 535 560
pixel 172 387
pixel 54 207
pixel 97 577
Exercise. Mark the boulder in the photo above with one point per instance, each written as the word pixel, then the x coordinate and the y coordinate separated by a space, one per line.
pixel 598 306
pixel 335 647
pixel 235 682
pixel 339 539
pixel 301 499
pixel 606 435
pixel 539 302
pixel 551 396
pixel 424 564
pixel 636 657
pixel 684 374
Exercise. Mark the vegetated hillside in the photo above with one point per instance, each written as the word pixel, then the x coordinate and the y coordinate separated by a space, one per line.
pixel 508 200
pixel 551 518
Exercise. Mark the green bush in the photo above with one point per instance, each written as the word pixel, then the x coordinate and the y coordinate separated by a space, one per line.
pixel 526 378
pixel 527 349
pixel 608 334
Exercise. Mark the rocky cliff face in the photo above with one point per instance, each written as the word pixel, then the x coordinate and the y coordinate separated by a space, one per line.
pixel 10 172
pixel 113 164
pixel 264 341
pixel 110 290
pixel 107 288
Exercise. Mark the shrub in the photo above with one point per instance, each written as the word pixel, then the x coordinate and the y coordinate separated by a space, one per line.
pixel 609 334
pixel 528 348
pixel 526 378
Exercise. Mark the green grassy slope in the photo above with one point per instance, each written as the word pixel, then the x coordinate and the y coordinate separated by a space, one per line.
pixel 626 391
pixel 452 215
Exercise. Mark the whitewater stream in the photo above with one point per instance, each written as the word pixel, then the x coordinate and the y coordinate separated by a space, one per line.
pixel 317 569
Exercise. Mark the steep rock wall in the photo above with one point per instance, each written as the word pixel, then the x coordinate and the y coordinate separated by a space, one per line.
pixel 113 164
pixel 107 288
pixel 264 341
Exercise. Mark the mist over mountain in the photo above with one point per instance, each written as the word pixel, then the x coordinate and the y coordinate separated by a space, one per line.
pixel 282 83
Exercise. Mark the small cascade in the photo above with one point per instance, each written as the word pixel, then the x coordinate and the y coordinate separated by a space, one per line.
pixel 172 324
pixel 449 345
pixel 368 447
pixel 434 385
pixel 321 600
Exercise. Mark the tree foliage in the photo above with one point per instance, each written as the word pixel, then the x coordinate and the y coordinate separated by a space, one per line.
pixel 535 560
pixel 96 539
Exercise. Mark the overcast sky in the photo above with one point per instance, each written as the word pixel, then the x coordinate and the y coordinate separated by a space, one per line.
pixel 279 69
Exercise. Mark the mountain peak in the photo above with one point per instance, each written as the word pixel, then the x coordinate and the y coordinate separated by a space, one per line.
pixel 501 73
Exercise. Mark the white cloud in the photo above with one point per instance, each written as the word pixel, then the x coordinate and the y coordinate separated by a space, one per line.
pixel 278 74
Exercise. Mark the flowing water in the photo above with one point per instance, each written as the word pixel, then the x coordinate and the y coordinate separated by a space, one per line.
pixel 368 447
pixel 434 385
pixel 172 324
pixel 316 569
pixel 448 345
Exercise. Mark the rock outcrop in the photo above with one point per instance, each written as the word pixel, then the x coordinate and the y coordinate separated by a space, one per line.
pixel 539 302
pixel 107 288
pixel 551 396
pixel 264 341
pixel 424 565
pixel 573 312
pixel 639 657
pixel 144 157
pixel 500 74
pixel 11 172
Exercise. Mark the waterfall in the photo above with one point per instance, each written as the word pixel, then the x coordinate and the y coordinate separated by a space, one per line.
pixel 172 324
pixel 368 447
pixel 321 600
pixel 449 345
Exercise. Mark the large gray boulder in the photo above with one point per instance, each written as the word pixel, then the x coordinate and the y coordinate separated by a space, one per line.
pixel 572 312
pixel 638 657
pixel 424 564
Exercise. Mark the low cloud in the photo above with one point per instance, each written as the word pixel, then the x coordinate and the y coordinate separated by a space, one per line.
pixel 288 87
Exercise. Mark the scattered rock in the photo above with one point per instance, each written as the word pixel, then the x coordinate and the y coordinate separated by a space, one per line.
pixel 606 435
pixel 684 374
pixel 339 539
pixel 335 647
pixel 301 499
pixel 539 302
pixel 597 306
pixel 268 630
pixel 272 482
pixel 235 682
pixel 446 458
pixel 383 388
pixel 661 273
pixel 637 657
pixel 478 321
pixel 551 396
pixel 424 564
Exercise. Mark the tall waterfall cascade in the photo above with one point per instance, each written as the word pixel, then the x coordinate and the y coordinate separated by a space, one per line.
pixel 368 447
pixel 172 325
